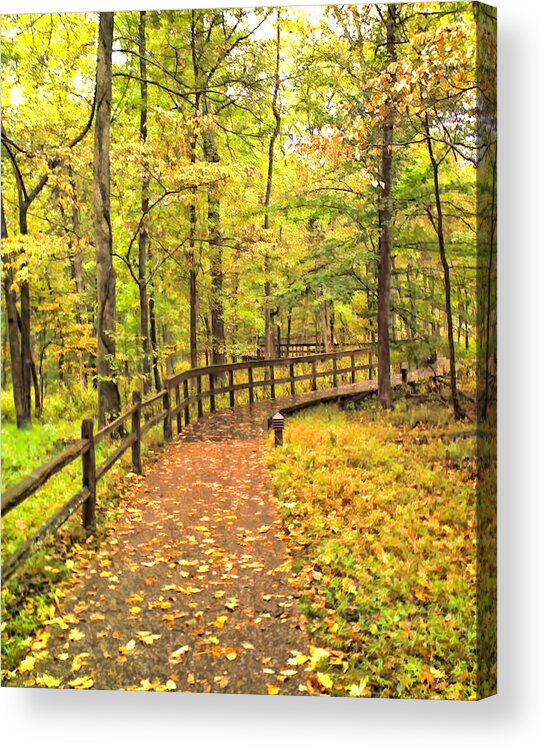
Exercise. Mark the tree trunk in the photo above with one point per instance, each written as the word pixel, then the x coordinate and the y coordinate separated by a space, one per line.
pixel 193 316
pixel 76 270
pixel 458 411
pixel 153 341
pixel 325 326
pixel 22 416
pixel 412 316
pixel 215 248
pixel 108 393
pixel 144 207
pixel 490 284
pixel 269 312
pixel 385 242
pixel 466 341
pixel 24 322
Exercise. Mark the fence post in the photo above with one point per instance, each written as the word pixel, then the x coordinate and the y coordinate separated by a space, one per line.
pixel 211 389
pixel 250 386
pixel 370 366
pixel 314 375
pixel 186 393
pixel 231 391
pixel 334 368
pixel 272 380
pixel 199 401
pixel 89 478
pixel 353 370
pixel 292 380
pixel 167 422
pixel 178 414
pixel 135 431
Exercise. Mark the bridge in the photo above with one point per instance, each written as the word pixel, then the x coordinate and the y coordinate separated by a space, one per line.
pixel 192 587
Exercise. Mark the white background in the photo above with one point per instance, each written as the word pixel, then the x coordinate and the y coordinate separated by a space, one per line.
pixel 515 717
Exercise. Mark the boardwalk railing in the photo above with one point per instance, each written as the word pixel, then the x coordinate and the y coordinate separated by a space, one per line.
pixel 185 395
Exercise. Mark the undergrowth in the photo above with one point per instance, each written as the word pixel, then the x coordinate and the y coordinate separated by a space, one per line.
pixel 380 513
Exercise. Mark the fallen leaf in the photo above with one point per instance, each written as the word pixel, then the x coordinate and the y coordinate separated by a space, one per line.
pixel 129 646
pixel 48 680
pixel 27 665
pixel 146 637
pixel 325 680
pixel 177 656
pixel 82 683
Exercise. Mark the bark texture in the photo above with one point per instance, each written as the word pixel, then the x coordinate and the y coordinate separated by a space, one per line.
pixel 385 237
pixel 108 393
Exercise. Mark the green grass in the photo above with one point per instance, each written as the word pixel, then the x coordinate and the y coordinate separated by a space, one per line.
pixel 380 515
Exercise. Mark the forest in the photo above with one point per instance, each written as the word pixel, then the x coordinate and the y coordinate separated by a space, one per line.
pixel 196 188
pixel 255 176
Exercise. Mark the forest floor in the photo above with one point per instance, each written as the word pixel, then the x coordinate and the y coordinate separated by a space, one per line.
pixel 191 590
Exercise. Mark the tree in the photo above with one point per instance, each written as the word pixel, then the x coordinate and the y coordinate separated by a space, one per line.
pixel 109 402
pixel 385 228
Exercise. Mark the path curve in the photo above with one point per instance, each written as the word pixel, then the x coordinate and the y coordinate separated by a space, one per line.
pixel 191 590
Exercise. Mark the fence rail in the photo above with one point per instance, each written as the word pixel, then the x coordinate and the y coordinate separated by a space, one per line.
pixel 185 396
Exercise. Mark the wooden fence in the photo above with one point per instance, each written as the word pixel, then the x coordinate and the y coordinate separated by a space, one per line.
pixel 185 396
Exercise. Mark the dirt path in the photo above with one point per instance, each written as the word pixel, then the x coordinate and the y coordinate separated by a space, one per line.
pixel 191 592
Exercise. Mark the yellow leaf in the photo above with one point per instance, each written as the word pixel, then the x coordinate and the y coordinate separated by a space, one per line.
pixel 27 665
pixel 220 621
pixel 129 646
pixel 170 685
pixel 298 659
pixel 82 683
pixel 57 621
pixel 48 680
pixel 325 680
pixel 232 603
pixel 359 690
pixel 317 654
pixel 177 656
pixel 146 637
pixel 41 642
pixel 75 635
pixel 221 680
pixel 272 689
pixel 77 661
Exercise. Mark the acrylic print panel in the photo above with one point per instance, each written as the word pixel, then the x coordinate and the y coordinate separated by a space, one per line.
pixel 249 364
